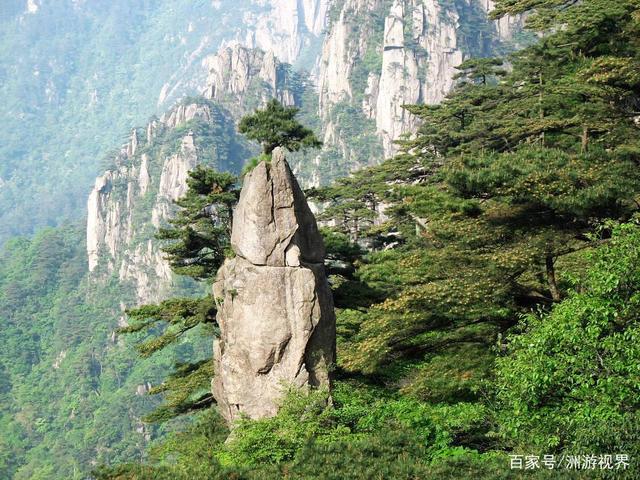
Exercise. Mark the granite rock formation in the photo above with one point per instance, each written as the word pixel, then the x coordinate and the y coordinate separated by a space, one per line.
pixel 275 312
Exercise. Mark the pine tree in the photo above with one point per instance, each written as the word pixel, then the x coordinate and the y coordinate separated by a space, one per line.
pixel 480 70
pixel 187 388
pixel 199 238
pixel 199 234
pixel 522 167
pixel 276 126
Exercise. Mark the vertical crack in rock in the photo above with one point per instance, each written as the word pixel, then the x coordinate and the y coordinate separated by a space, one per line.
pixel 276 316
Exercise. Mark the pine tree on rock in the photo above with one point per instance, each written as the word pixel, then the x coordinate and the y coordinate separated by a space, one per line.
pixel 197 242
pixel 276 126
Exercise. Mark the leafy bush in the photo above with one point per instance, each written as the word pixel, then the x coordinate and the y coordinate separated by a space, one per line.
pixel 570 381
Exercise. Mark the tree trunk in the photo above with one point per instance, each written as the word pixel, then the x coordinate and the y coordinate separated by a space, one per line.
pixel 551 278
pixel 585 139
pixel 541 108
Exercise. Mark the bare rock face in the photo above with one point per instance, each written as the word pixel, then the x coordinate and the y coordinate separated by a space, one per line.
pixel 287 28
pixel 272 224
pixel 236 68
pixel 421 44
pixel 112 234
pixel 276 313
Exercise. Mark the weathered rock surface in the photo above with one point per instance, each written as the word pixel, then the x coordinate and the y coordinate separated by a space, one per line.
pixel 272 224
pixel 276 313
pixel 287 28
pixel 235 69
pixel 291 29
pixel 121 191
pixel 506 26
pixel 418 49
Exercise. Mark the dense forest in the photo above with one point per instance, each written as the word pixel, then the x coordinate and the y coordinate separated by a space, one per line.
pixel 486 281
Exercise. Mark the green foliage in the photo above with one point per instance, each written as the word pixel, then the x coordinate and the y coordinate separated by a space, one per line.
pixel 183 455
pixel 504 182
pixel 276 439
pixel 571 187
pixel 67 383
pixel 179 314
pixel 253 163
pixel 569 379
pixel 339 247
pixel 199 233
pixel 480 70
pixel 356 416
pixel 188 389
pixel 364 432
pixel 276 126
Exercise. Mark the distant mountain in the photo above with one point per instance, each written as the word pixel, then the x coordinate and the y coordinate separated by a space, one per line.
pixel 77 75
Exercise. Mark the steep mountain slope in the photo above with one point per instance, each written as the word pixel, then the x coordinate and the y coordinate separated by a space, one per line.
pixel 75 75
pixel 129 202
pixel 380 55
pixel 69 396
pixel 73 386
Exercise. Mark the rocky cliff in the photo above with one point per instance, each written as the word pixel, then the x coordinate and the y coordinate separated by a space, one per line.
pixel 291 30
pixel 129 201
pixel 277 325
pixel 136 196
pixel 380 55
pixel 243 77
pixel 287 28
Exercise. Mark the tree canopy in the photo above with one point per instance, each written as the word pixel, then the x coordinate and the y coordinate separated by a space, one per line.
pixel 276 126
pixel 198 236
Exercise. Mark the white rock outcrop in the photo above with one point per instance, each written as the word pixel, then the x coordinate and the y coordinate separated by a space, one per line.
pixel 445 52
pixel 276 318
pixel 506 26
pixel 286 28
pixel 111 231
pixel 399 81
pixel 235 69
pixel 420 46
pixel 292 29
pixel 173 179
pixel 340 51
